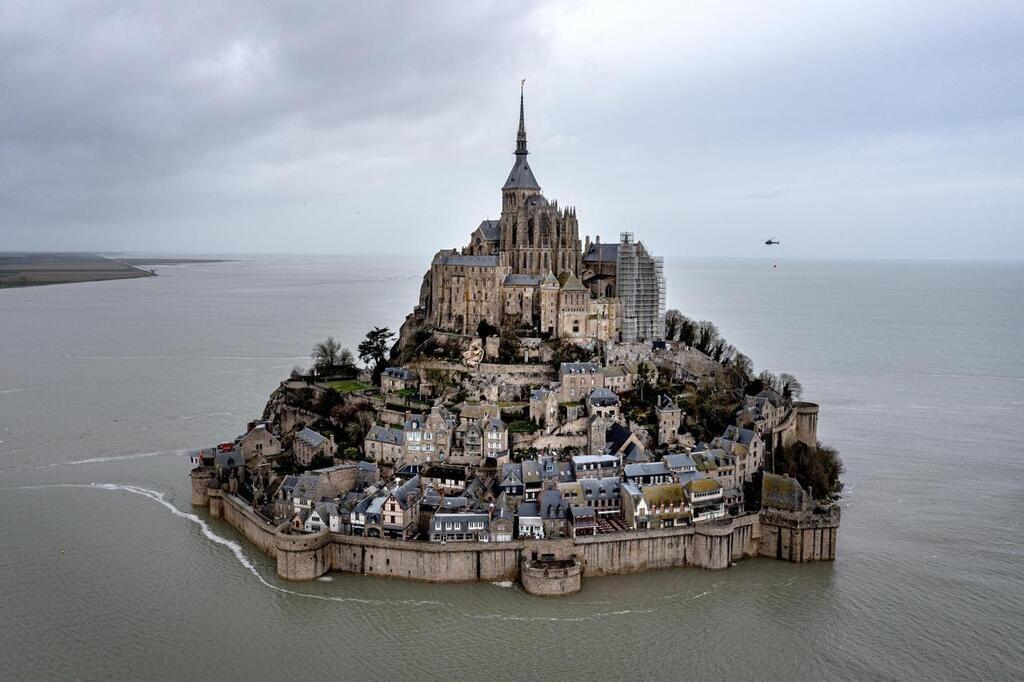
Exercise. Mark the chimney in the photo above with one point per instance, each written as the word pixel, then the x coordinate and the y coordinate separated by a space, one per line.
pixel 597 239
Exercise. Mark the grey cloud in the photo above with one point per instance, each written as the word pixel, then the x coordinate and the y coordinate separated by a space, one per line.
pixel 269 127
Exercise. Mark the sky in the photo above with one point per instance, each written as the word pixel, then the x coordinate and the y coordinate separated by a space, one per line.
pixel 843 129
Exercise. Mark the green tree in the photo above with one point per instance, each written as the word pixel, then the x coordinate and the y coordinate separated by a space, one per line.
pixel 485 329
pixel 374 348
pixel 673 323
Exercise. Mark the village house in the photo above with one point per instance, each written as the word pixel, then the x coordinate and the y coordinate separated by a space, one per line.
pixel 399 511
pixel 595 466
pixel 603 403
pixel 705 499
pixel 603 495
pixel 717 464
pixel 366 514
pixel 544 408
pixel 309 445
pixel 582 521
pixel 366 474
pixel 530 525
pixel 762 412
pixel 619 378
pixel 553 513
pixel 445 479
pixel 428 438
pixel 748 449
pixel 480 441
pixel 300 493
pixel 259 443
pixel 679 463
pixel 670 418
pixel 654 506
pixel 647 473
pixel 320 517
pixel 384 445
pixel 578 380
pixel 502 524
pixel 395 379
pixel 465 527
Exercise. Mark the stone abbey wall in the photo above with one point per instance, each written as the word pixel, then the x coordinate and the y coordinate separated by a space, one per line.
pixel 798 537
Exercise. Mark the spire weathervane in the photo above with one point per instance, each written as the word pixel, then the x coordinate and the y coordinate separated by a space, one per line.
pixel 521 136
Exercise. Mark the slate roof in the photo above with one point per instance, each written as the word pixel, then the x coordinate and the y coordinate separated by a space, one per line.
pixel 472 261
pixel 738 435
pixel 228 460
pixel 644 469
pixel 610 460
pixel 529 509
pixel 600 488
pixel 490 230
pixel 603 397
pixel 310 437
pixel 521 177
pixel 679 461
pixel 582 516
pixel 601 252
pixel 570 282
pixel 552 505
pixel 578 368
pixel 383 434
pixel 401 493
pixel 539 394
pixel 415 422
pixel 634 454
pixel 523 280
pixel 401 373
pixel 459 522
pixel 495 425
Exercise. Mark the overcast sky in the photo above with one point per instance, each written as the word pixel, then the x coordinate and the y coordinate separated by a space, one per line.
pixel 844 129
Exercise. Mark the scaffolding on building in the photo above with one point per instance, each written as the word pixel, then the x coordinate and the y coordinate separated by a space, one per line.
pixel 640 287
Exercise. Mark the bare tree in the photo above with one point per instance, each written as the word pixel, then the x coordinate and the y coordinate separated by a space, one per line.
pixel 769 380
pixel 325 355
pixel 792 389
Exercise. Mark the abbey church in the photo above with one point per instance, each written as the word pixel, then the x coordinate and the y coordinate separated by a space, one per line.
pixel 529 269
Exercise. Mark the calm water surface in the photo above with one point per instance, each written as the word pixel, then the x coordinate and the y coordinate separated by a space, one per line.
pixel 106 571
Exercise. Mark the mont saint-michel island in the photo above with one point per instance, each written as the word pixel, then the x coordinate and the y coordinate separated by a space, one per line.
pixel 539 417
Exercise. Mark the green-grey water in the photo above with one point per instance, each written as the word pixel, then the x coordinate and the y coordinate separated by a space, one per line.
pixel 106 571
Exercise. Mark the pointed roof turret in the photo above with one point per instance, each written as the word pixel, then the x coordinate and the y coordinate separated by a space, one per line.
pixel 521 176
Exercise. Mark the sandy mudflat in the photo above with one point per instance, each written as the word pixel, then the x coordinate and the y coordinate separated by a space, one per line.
pixel 37 269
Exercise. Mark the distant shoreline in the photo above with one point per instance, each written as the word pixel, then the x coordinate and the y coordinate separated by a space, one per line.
pixel 169 261
pixel 20 270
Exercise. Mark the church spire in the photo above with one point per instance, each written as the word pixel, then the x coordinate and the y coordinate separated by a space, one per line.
pixel 521 135
pixel 521 176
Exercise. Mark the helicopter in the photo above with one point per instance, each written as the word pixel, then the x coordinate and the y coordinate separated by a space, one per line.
pixel 771 242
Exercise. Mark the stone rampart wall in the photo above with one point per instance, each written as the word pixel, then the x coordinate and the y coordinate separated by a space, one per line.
pixel 712 546
pixel 305 556
pixel 239 516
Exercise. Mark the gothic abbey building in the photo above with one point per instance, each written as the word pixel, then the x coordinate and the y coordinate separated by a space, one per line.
pixel 529 269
